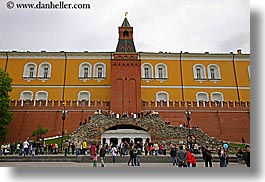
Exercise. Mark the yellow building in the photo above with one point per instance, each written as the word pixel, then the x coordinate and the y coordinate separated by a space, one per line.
pixel 166 76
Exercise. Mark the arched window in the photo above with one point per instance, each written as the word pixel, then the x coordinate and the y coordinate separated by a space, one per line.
pixel 199 72
pixel 162 96
pixel 100 70
pixel 217 97
pixel 147 71
pixel 201 97
pixel 26 97
pixel 85 70
pixel 125 33
pixel 44 71
pixel 161 71
pixel 249 72
pixel 41 95
pixel 30 70
pixel 214 72
pixel 84 96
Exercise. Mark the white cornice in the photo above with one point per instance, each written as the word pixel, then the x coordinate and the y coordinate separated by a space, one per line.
pixel 57 55
pixel 142 55
pixel 60 86
pixel 197 87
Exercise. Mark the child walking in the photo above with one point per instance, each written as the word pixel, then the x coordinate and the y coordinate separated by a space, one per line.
pixel 95 160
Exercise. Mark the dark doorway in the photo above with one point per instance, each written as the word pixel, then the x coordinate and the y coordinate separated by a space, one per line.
pixel 126 139
pixel 138 140
pixel 114 141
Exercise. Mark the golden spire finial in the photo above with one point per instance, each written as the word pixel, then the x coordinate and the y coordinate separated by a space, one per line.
pixel 126 13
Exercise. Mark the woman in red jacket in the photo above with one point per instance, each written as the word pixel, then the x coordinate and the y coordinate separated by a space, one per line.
pixel 193 160
pixel 188 157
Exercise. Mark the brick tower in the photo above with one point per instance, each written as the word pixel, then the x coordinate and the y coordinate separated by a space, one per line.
pixel 125 73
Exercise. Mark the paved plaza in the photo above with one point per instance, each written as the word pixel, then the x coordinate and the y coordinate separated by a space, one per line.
pixel 107 165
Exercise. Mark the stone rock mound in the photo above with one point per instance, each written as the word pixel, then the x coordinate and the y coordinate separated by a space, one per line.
pixel 156 127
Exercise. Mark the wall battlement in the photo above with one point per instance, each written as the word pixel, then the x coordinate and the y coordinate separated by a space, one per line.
pixel 145 105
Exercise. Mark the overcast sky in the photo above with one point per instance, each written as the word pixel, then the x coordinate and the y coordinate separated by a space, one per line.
pixel 171 26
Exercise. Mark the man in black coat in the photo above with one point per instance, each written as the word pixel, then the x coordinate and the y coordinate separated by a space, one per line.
pixel 132 158
pixel 173 155
pixel 102 153
pixel 246 155
pixel 207 156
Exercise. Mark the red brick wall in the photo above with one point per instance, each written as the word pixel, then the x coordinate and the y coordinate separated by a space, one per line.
pixel 229 123
pixel 125 84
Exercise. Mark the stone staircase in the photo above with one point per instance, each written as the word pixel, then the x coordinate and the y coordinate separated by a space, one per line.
pixel 108 158
pixel 156 127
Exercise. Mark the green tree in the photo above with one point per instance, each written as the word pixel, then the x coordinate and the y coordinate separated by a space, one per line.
pixel 39 132
pixel 5 113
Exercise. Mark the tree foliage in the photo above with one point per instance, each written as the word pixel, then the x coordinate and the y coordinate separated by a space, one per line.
pixel 5 113
pixel 39 132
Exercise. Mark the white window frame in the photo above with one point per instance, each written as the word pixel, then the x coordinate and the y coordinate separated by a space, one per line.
pixel 38 99
pixel 81 74
pixel 95 73
pixel 80 99
pixel 26 91
pixel 222 98
pixel 164 71
pixel 26 71
pixel 41 71
pixel 37 95
pixel 203 72
pixel 150 67
pixel 197 98
pixel 162 92
pixel 249 72
pixel 22 98
pixel 217 74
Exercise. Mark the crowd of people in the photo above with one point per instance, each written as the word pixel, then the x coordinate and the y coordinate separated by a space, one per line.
pixel 181 155
pixel 126 114
pixel 27 147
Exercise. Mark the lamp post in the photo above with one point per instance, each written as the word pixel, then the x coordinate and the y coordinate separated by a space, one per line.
pixel 63 118
pixel 188 116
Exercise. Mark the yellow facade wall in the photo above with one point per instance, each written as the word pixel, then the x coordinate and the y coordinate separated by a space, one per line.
pixel 149 94
pixel 73 71
pixel 229 94
pixel 226 72
pixel 242 73
pixel 2 63
pixel 53 93
pixel 173 67
pixel 16 68
pixel 100 89
pixel 244 94
pixel 95 93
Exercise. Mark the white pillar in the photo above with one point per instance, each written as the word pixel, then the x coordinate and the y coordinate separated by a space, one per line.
pixel 119 141
pixel 107 141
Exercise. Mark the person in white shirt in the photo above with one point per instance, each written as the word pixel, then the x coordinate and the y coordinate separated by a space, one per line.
pixel 26 147
pixel 114 152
